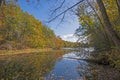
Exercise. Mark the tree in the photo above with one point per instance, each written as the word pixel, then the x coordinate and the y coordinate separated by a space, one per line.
pixel 118 5
pixel 2 2
pixel 108 25
pixel 21 30
pixel 58 42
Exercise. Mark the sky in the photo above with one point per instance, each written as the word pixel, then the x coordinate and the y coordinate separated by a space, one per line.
pixel 42 11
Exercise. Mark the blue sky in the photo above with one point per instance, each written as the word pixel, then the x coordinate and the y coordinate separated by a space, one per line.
pixel 42 10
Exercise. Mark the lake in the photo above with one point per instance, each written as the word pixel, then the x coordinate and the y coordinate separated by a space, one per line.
pixel 58 65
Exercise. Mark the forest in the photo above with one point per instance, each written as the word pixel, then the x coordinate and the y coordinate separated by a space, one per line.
pixel 99 26
pixel 100 22
pixel 20 30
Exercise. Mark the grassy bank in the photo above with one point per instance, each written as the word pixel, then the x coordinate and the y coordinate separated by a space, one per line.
pixel 25 51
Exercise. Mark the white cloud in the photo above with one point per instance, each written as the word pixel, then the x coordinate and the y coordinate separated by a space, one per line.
pixel 69 37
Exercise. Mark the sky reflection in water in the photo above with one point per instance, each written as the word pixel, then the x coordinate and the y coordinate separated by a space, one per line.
pixel 67 69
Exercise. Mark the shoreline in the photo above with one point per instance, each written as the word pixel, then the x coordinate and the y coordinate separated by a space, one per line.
pixel 27 51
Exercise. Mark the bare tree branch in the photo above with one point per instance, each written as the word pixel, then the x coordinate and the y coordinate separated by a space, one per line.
pixel 65 11
pixel 63 17
pixel 58 7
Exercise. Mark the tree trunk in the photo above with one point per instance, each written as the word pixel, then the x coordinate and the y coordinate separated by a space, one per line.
pixel 108 25
pixel 118 5
pixel 102 25
pixel 2 2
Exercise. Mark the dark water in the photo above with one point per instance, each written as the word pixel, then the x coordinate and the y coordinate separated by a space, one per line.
pixel 53 66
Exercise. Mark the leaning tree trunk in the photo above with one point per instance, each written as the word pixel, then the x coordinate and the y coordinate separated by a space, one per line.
pixel 108 25
pixel 118 5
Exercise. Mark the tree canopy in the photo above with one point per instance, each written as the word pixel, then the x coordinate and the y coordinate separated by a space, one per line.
pixel 100 23
pixel 20 30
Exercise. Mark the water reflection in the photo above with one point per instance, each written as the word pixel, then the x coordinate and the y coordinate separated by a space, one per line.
pixel 53 66
pixel 27 67
pixel 70 67
pixel 64 70
pixel 67 68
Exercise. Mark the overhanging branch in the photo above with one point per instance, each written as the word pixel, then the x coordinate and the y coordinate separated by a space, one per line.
pixel 65 11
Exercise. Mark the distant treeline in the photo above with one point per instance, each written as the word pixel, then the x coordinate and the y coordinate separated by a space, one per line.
pixel 20 30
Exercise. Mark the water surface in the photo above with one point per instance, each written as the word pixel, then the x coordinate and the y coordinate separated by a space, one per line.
pixel 53 66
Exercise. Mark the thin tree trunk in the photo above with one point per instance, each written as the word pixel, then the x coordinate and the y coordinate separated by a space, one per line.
pixel 108 25
pixel 118 5
pixel 2 2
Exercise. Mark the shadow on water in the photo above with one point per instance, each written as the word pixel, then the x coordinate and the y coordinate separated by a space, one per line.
pixel 53 66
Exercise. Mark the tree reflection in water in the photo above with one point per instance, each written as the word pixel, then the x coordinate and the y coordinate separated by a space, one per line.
pixel 27 66
pixel 53 66
pixel 90 71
